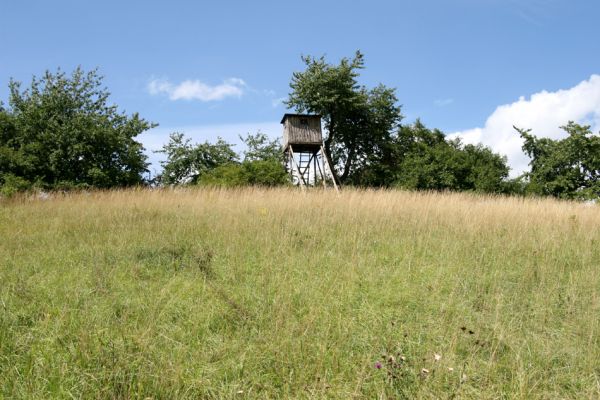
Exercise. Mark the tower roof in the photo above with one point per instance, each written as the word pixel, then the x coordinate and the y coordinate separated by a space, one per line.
pixel 285 116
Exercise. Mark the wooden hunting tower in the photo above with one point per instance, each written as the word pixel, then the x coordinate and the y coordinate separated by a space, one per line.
pixel 304 153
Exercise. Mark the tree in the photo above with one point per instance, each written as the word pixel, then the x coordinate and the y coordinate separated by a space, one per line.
pixel 359 122
pixel 267 173
pixel 487 171
pixel 259 147
pixel 218 165
pixel 367 145
pixel 568 168
pixel 13 163
pixel 186 163
pixel 62 132
pixel 423 159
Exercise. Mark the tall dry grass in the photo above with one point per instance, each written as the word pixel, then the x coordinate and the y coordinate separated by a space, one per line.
pixel 251 293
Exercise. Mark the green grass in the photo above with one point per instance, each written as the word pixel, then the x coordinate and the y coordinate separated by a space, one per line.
pixel 290 294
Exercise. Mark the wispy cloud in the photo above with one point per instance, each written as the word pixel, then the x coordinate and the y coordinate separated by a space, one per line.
pixel 443 102
pixel 197 90
pixel 278 101
pixel 536 12
pixel 544 112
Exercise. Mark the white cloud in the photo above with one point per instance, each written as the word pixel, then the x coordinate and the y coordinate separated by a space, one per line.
pixel 198 90
pixel 544 113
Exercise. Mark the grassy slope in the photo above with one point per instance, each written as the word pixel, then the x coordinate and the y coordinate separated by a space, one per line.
pixel 279 294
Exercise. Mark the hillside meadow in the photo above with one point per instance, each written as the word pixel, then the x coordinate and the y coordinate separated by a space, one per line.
pixel 252 293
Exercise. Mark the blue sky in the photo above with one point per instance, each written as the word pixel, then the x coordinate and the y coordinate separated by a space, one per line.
pixel 469 67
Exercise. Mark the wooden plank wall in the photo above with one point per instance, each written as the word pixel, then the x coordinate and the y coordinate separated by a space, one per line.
pixel 296 133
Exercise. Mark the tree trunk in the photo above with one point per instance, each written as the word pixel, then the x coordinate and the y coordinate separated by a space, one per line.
pixel 348 164
pixel 329 160
pixel 327 144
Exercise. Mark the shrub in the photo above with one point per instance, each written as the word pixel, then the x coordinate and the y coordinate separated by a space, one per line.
pixel 249 173
pixel 11 184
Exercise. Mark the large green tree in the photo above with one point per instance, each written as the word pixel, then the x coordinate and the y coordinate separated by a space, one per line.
pixel 359 122
pixel 567 168
pixel 424 159
pixel 62 131
pixel 427 160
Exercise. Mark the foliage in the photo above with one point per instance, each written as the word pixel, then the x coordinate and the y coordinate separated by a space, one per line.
pixel 420 158
pixel 567 168
pixel 267 173
pixel 228 175
pixel 218 164
pixel 485 171
pixel 11 184
pixel 62 132
pixel 358 121
pixel 12 160
pixel 260 147
pixel 369 147
pixel 186 162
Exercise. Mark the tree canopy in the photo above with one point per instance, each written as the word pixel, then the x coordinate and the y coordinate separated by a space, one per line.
pixel 427 160
pixel 217 164
pixel 358 121
pixel 187 162
pixel 62 132
pixel 368 145
pixel 420 158
pixel 568 168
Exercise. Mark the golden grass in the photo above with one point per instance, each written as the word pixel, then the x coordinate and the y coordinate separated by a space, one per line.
pixel 252 293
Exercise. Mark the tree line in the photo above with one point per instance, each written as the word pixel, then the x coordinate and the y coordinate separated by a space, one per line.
pixel 61 132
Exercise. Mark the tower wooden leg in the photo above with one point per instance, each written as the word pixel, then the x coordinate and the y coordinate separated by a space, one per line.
pixel 300 176
pixel 326 162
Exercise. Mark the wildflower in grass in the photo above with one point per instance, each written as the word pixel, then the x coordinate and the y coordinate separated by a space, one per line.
pixel 437 357
pixel 378 365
